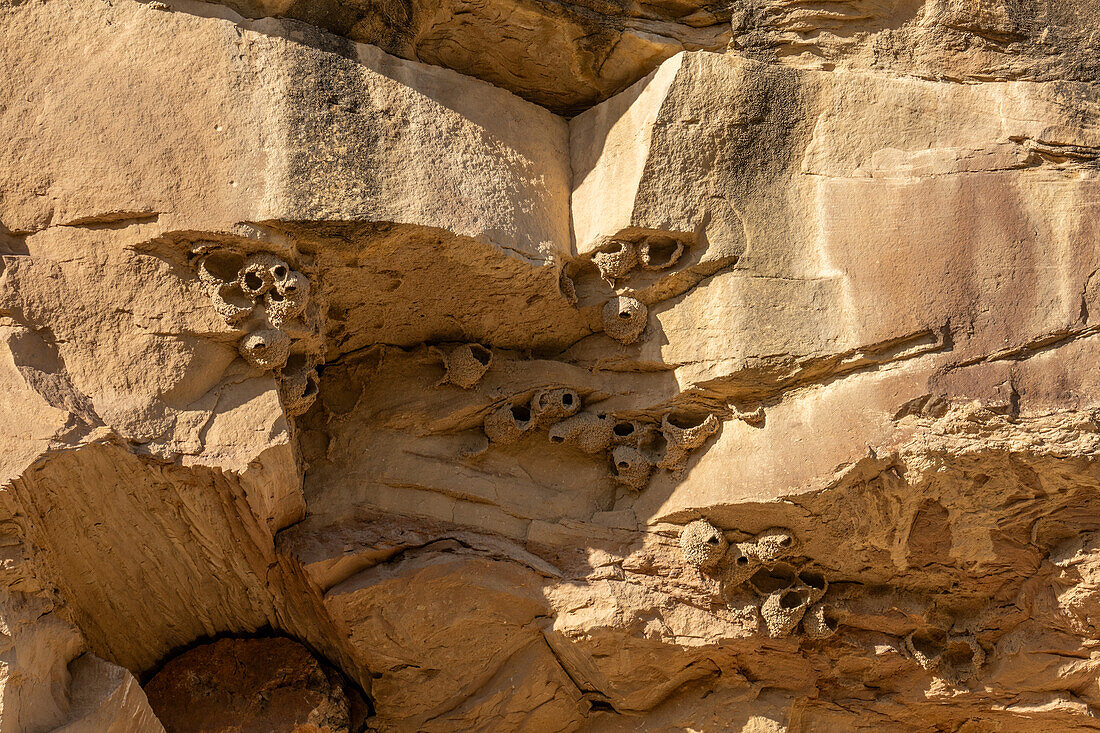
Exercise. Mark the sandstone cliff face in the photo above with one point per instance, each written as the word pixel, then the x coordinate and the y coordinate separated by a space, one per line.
pixel 540 366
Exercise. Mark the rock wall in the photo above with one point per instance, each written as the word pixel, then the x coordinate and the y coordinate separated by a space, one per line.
pixel 530 365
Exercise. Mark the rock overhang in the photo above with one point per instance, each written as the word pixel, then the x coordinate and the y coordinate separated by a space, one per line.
pixel 872 397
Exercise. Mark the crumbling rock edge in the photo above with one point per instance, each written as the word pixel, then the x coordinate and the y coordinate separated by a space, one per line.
pixel 671 415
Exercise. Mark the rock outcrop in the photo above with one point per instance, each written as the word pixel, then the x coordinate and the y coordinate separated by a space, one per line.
pixel 549 366
pixel 271 684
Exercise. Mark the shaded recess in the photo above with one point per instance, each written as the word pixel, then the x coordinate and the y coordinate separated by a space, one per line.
pixel 917 502
pixel 402 285
pixel 570 56
pixel 565 56
pixel 274 684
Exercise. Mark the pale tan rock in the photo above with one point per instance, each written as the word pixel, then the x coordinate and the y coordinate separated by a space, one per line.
pixel 208 138
pixel 38 645
pixel 871 286
pixel 461 646
pixel 940 40
pixel 105 698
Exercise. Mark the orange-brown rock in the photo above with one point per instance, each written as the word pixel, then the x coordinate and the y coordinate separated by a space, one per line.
pixel 273 685
pixel 550 366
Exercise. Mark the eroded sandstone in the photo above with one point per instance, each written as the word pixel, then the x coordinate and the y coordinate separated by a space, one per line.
pixel 759 394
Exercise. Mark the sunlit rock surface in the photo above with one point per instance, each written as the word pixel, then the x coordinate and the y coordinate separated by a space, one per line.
pixel 545 366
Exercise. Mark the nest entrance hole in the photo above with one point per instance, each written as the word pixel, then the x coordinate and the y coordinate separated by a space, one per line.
pixel 686 421
pixel 811 578
pixel 481 354
pixel 791 599
pixel 959 654
pixel 662 252
pixel 770 580
pixel 928 643
pixel 253 281
pixel 223 265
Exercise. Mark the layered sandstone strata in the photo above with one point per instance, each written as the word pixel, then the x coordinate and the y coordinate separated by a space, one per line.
pixel 757 395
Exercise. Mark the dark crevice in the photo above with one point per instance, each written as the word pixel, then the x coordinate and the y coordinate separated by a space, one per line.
pixel 265 632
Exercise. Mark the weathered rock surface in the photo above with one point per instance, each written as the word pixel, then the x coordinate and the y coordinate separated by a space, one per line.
pixel 757 394
pixel 269 684
pixel 565 56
